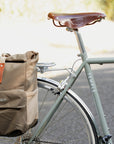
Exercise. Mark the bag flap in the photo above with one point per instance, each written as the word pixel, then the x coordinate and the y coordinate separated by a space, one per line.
pixel 22 57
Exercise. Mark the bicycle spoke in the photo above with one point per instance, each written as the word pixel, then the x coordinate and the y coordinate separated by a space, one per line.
pixel 55 120
pixel 43 101
pixel 47 142
pixel 55 117
pixel 38 141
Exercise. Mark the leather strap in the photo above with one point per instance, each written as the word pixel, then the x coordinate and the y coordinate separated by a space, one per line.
pixel 2 65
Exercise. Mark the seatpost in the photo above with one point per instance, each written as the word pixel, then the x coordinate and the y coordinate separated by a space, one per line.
pixel 80 45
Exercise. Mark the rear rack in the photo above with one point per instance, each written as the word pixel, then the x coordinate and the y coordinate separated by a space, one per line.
pixel 44 67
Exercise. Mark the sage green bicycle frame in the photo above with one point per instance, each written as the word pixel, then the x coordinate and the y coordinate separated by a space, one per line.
pixel 92 83
pixel 86 65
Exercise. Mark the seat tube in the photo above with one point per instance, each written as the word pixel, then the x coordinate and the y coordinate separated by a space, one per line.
pixel 80 45
pixel 93 87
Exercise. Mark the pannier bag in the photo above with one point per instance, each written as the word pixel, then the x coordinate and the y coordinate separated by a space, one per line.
pixel 18 93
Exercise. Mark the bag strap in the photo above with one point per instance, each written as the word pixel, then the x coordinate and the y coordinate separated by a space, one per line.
pixel 2 65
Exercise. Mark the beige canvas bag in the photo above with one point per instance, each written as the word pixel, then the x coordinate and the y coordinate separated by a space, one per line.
pixel 18 93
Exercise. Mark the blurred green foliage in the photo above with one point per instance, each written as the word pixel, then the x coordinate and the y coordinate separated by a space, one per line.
pixel 37 10
pixel 108 7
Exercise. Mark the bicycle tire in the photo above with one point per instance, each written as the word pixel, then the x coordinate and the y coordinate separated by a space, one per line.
pixel 66 125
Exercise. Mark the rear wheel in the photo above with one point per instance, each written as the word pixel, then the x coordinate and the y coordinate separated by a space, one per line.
pixel 72 123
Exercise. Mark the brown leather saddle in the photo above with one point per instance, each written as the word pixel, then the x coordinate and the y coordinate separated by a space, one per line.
pixel 75 20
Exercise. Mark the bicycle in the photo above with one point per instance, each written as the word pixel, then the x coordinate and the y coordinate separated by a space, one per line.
pixel 64 118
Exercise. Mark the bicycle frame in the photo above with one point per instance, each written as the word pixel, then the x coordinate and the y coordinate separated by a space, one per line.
pixel 87 61
pixel 86 65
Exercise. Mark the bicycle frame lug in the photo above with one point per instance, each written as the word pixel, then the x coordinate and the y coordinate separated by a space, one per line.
pixel 62 85
pixel 73 74
pixel 79 55
pixel 106 139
